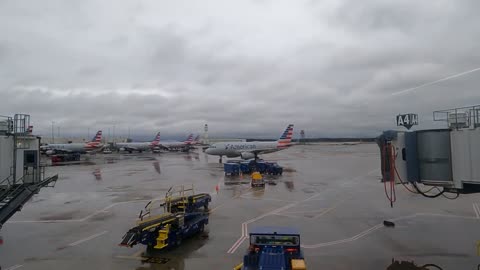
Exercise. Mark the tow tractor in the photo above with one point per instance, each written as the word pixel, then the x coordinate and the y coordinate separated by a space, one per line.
pixel 184 215
pixel 273 248
pixel 257 180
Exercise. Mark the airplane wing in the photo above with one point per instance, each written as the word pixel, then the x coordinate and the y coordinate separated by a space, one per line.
pixel 66 151
pixel 263 151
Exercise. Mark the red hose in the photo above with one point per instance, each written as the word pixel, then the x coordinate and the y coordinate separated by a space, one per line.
pixel 392 197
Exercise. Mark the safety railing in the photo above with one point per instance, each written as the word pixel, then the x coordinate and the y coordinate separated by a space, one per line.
pixel 458 118
pixel 21 123
pixel 6 125
pixel 6 181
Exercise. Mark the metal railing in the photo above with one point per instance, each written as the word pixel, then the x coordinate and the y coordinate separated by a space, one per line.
pixel 6 125
pixel 21 122
pixel 458 118
pixel 6 182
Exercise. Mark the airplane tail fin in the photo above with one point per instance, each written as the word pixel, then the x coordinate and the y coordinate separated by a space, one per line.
pixel 286 138
pixel 97 139
pixel 196 138
pixel 156 141
pixel 189 140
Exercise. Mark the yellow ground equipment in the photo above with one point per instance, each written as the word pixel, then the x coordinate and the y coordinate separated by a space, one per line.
pixel 257 180
pixel 185 214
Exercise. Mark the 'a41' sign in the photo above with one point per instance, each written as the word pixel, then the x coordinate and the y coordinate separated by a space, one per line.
pixel 407 120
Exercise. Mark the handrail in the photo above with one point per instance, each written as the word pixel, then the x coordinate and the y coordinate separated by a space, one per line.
pixel 6 179
pixel 462 117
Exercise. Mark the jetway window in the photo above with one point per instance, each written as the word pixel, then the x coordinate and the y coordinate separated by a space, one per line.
pixel 30 158
pixel 23 144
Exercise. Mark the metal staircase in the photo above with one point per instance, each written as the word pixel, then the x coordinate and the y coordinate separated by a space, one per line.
pixel 13 199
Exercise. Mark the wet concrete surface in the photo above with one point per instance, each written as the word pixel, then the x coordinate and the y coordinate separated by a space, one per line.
pixel 331 193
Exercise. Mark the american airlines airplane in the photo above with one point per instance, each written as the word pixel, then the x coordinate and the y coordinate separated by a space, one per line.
pixel 196 141
pixel 248 150
pixel 94 144
pixel 139 146
pixel 172 146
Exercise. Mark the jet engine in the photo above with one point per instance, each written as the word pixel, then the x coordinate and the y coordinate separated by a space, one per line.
pixel 247 155
pixel 50 152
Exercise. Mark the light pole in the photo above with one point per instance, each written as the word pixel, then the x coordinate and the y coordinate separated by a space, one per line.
pixel 53 137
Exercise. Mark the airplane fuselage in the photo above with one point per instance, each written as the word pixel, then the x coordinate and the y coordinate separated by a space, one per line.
pixel 234 149
pixel 173 144
pixel 137 146
pixel 72 147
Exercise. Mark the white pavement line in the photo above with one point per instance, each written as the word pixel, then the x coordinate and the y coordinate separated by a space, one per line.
pixel 286 215
pixel 305 212
pixel 379 226
pixel 14 267
pixel 236 245
pixel 278 210
pixel 346 240
pixel 476 210
pixel 265 199
pixel 81 219
pixel 273 212
pixel 87 239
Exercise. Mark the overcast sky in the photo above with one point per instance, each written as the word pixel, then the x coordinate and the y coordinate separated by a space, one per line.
pixel 243 67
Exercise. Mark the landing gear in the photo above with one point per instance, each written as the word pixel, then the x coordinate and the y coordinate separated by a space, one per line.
pixel 220 160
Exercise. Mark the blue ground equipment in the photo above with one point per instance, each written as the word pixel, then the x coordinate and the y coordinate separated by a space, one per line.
pixel 272 168
pixel 273 248
pixel 246 167
pixel 184 215
pixel 261 166
pixel 231 168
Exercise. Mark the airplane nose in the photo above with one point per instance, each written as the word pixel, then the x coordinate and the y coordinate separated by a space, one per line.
pixel 208 150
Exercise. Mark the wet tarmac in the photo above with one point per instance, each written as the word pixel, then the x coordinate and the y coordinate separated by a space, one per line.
pixel 331 193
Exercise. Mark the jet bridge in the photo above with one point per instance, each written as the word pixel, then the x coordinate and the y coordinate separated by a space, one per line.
pixel 448 157
pixel 21 175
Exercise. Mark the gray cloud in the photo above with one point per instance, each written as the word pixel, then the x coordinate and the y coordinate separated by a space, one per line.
pixel 245 68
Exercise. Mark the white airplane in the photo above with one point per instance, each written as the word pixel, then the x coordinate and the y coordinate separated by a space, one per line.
pixel 178 146
pixel 139 146
pixel 94 144
pixel 248 150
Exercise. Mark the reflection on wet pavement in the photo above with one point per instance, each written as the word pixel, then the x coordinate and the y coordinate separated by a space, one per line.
pixel 331 193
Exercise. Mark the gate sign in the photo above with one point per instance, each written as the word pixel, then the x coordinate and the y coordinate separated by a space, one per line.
pixel 407 120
